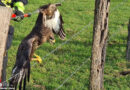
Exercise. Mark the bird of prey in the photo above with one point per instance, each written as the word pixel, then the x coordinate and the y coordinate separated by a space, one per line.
pixel 48 23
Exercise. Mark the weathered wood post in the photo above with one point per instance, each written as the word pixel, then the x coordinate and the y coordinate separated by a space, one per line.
pixel 100 31
pixel 5 17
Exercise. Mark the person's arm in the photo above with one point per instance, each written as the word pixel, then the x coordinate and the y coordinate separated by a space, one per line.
pixel 18 9
pixel 19 6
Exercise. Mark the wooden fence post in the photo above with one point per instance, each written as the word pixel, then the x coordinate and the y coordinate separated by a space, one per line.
pixel 5 17
pixel 100 31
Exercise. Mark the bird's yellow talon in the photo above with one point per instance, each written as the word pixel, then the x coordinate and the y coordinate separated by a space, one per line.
pixel 54 41
pixel 38 58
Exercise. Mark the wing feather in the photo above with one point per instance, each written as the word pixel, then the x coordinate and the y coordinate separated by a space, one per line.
pixel 60 23
pixel 21 69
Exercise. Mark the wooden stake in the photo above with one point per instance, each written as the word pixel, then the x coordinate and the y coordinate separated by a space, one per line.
pixel 5 17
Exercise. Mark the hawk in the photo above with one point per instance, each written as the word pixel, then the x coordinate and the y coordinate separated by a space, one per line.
pixel 48 23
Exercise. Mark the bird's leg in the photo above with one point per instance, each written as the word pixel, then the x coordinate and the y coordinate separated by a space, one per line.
pixel 38 58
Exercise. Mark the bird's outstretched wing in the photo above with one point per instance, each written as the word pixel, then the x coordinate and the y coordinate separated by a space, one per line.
pixel 61 31
pixel 58 29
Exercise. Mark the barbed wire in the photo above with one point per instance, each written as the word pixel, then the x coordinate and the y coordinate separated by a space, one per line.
pixel 77 69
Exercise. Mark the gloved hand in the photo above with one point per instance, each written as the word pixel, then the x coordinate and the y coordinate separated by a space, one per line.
pixel 19 14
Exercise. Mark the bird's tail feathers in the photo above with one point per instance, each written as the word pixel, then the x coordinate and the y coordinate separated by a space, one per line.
pixel 19 75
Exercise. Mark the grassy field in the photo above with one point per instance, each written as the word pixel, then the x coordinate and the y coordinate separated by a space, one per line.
pixel 64 69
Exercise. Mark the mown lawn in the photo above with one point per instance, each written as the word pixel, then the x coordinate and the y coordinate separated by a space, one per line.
pixel 68 68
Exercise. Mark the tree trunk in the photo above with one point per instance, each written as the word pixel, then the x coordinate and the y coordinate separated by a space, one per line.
pixel 5 16
pixel 100 34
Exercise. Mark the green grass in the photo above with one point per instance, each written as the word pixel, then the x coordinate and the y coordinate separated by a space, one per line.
pixel 62 63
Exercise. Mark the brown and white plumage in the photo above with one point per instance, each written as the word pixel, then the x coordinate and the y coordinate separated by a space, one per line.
pixel 56 23
pixel 41 33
